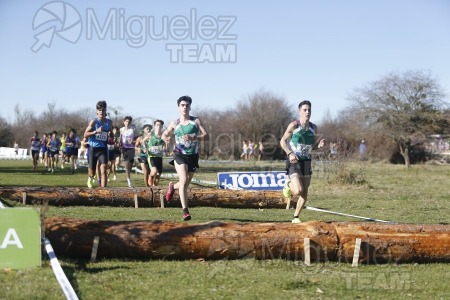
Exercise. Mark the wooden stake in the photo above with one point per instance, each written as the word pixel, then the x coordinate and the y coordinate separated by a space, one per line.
pixel 95 249
pixel 307 249
pixel 161 199
pixel 136 205
pixel 24 198
pixel 356 252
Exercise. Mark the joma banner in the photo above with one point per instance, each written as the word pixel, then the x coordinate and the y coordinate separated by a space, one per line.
pixel 274 180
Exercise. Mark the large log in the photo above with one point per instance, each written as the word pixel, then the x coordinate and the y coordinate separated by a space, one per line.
pixel 381 243
pixel 169 240
pixel 216 240
pixel 72 196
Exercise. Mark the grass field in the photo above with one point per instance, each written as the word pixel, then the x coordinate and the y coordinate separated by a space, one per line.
pixel 389 192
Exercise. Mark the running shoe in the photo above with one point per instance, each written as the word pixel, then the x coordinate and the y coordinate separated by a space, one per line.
pixel 170 192
pixel 89 182
pixel 296 220
pixel 287 190
pixel 186 216
pixel 114 178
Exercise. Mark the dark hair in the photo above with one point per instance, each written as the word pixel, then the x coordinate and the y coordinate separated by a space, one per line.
pixel 115 127
pixel 55 132
pixel 304 102
pixel 184 98
pixel 128 118
pixel 101 104
pixel 73 130
pixel 160 121
pixel 147 125
pixel 36 132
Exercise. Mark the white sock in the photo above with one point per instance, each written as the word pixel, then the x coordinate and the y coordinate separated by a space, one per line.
pixel 129 181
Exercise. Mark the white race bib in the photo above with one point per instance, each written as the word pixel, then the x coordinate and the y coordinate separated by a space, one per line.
pixel 102 136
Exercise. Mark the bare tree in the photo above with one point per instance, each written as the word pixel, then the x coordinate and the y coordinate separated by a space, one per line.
pixel 6 134
pixel 263 116
pixel 407 107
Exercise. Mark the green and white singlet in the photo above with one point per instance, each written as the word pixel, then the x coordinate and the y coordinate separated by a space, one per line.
pixel 302 141
pixel 155 146
pixel 182 146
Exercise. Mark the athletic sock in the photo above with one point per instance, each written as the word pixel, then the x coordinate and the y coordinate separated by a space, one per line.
pixel 185 210
pixel 295 217
pixel 129 181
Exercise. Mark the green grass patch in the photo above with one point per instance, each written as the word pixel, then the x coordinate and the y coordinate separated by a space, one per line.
pixel 419 195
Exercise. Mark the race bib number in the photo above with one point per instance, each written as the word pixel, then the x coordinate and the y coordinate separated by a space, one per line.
pixel 156 149
pixel 102 136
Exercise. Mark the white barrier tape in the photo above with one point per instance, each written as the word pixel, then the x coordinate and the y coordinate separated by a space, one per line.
pixel 172 175
pixel 1 205
pixel 347 215
pixel 59 273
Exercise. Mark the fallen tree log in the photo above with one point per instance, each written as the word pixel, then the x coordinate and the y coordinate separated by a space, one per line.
pixel 217 240
pixel 72 196
pixel 382 243
pixel 170 240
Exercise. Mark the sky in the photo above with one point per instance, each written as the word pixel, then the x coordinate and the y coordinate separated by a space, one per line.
pixel 141 56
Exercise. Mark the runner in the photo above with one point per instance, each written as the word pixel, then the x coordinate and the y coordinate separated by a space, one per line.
pixel 128 135
pixel 62 149
pixel 298 141
pixel 71 150
pixel 187 131
pixel 44 150
pixel 53 146
pixel 35 143
pixel 111 155
pixel 116 132
pixel 97 132
pixel 141 147
pixel 156 147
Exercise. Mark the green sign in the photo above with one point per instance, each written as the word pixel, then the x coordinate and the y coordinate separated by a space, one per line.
pixel 20 238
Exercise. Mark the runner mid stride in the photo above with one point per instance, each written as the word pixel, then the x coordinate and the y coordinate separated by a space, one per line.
pixel 187 130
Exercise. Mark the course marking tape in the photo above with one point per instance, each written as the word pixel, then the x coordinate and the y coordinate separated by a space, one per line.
pixel 172 175
pixel 59 273
pixel 347 215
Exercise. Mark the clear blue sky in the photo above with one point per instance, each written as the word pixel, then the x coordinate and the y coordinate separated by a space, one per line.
pixel 316 50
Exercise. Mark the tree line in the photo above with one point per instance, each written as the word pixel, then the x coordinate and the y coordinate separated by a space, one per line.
pixel 395 114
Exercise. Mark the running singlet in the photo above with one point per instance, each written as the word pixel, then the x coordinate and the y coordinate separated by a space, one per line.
pixel 155 146
pixel 191 129
pixel 127 137
pixel 72 141
pixel 302 141
pixel 99 140
pixel 35 144
pixel 54 145
pixel 63 145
